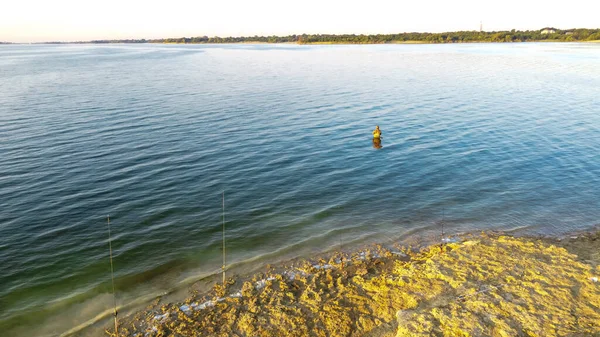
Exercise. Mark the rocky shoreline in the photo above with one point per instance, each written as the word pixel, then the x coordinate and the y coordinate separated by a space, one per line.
pixel 477 284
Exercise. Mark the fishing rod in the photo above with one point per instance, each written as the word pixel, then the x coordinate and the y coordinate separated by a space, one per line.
pixel 112 276
pixel 443 220
pixel 223 268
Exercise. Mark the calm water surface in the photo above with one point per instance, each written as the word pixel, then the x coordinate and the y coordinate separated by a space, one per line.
pixel 483 136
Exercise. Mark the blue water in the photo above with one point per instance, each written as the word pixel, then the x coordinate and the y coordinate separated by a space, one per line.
pixel 481 136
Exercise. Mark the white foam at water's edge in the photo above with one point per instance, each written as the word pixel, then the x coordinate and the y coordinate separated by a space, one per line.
pixel 262 283
pixel 161 317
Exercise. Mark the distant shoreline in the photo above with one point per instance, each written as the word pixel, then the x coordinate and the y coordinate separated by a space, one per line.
pixel 542 35
pixel 293 43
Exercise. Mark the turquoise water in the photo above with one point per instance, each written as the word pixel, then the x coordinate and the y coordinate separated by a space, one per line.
pixel 482 136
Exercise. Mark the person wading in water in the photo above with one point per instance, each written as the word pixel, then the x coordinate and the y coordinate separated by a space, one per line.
pixel 377 138
pixel 377 132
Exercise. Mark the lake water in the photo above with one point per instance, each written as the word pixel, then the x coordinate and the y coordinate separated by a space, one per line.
pixel 479 136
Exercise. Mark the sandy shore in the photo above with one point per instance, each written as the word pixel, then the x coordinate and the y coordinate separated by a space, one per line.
pixel 488 284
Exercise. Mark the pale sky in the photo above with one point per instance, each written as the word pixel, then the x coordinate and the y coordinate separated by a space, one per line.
pixel 77 20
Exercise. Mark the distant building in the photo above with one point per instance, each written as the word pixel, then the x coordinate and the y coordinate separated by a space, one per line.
pixel 548 31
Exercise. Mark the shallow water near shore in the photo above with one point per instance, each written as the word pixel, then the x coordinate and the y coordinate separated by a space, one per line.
pixel 479 137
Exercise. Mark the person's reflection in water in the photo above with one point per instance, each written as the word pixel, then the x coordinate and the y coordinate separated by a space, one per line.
pixel 377 143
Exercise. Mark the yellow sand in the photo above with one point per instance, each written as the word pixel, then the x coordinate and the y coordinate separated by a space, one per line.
pixel 487 286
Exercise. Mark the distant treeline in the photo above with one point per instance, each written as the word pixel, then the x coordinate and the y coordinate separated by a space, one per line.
pixel 546 34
